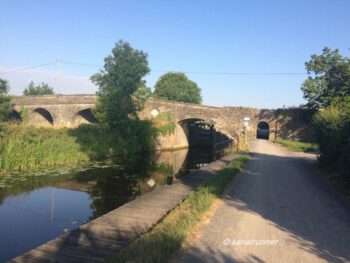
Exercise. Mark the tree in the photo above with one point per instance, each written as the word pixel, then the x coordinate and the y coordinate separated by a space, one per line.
pixel 141 95
pixel 5 108
pixel 4 86
pixel 175 86
pixel 329 79
pixel 41 89
pixel 117 81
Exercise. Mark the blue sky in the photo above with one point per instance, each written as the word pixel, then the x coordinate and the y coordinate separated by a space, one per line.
pixel 188 36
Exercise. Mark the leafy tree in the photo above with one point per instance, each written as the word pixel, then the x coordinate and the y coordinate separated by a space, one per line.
pixel 4 86
pixel 41 89
pixel 118 80
pixel 175 86
pixel 141 95
pixel 329 79
pixel 5 108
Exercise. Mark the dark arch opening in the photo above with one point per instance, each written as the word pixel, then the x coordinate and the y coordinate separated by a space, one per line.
pixel 263 130
pixel 45 114
pixel 87 116
pixel 15 117
pixel 204 141
pixel 198 132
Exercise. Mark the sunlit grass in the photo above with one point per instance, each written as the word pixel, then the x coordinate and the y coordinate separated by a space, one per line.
pixel 298 146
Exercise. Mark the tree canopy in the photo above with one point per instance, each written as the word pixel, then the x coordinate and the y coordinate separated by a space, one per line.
pixel 175 86
pixel 329 79
pixel 141 95
pixel 36 90
pixel 117 81
pixel 4 86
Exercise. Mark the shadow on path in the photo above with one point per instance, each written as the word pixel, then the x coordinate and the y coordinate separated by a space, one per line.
pixel 289 195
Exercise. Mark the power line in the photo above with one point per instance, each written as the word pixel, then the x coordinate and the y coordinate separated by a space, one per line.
pixel 26 68
pixel 80 64
pixel 164 71
pixel 199 72
pixel 234 73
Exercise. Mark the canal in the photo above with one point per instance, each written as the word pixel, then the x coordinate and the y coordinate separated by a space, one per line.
pixel 36 207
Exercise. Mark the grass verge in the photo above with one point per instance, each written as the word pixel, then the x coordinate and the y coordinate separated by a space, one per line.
pixel 298 146
pixel 169 235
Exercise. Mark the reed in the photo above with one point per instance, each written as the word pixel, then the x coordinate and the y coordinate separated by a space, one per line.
pixel 26 148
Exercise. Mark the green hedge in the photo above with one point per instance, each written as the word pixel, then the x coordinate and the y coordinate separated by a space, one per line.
pixel 332 130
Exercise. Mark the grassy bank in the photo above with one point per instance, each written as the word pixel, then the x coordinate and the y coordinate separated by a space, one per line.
pixel 26 148
pixel 298 146
pixel 168 236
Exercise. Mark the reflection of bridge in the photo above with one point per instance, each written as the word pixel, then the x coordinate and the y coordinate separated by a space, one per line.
pixel 71 110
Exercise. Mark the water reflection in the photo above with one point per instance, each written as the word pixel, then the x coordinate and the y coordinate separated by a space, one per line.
pixel 36 207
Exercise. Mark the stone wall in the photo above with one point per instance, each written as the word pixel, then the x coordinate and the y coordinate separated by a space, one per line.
pixel 295 124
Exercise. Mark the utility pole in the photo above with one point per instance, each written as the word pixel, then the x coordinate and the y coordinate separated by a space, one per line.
pixel 58 75
pixel 246 124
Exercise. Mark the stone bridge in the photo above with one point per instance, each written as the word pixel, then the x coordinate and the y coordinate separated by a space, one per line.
pixel 56 111
pixel 72 110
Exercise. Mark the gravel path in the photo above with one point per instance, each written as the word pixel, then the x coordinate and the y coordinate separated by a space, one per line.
pixel 280 202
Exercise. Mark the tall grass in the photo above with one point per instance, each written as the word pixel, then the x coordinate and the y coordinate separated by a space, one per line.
pixel 169 235
pixel 26 148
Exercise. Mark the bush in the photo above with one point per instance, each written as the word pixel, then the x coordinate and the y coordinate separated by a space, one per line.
pixel 5 108
pixel 332 131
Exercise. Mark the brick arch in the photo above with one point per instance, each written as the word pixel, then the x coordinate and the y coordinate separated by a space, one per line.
pixel 195 117
pixel 41 116
pixel 182 127
pixel 220 133
pixel 82 116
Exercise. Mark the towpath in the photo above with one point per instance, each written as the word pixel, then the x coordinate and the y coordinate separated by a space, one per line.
pixel 278 197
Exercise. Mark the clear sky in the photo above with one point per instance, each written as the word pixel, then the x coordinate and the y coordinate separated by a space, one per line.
pixel 217 36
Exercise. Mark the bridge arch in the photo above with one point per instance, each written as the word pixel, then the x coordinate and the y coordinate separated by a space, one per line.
pixel 202 132
pixel 263 130
pixel 198 132
pixel 41 117
pixel 83 116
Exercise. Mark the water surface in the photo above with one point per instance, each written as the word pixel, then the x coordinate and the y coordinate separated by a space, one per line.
pixel 36 207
